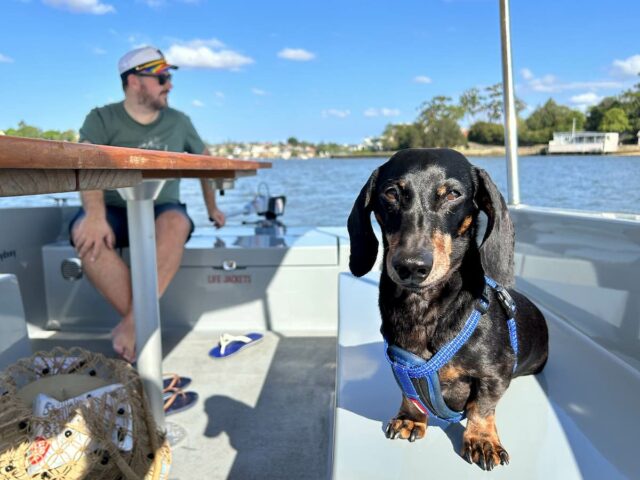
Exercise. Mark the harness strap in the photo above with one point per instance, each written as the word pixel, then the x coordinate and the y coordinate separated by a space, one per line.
pixel 418 378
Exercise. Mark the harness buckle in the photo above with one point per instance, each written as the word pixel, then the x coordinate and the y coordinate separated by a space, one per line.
pixel 505 299
pixel 484 302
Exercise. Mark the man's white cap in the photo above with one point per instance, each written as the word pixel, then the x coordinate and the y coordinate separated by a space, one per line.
pixel 145 59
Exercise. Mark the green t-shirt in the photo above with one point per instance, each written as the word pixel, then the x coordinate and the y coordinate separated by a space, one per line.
pixel 172 131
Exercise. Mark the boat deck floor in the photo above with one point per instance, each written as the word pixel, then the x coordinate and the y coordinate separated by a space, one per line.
pixel 263 413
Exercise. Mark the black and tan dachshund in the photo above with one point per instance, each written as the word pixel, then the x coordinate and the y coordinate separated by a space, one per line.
pixel 427 203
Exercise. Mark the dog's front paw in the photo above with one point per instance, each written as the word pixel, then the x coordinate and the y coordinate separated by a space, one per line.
pixel 405 429
pixel 484 451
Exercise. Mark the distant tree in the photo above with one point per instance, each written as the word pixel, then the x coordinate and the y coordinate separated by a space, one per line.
pixel 614 120
pixel 550 118
pixel 486 133
pixel 329 148
pixel 630 103
pixel 293 141
pixel 471 102
pixel 29 131
pixel 493 104
pixel 596 112
pixel 401 136
pixel 439 120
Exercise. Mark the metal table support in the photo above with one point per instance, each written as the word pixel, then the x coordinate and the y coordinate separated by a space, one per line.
pixel 144 285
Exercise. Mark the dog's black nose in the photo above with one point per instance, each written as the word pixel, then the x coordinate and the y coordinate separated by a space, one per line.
pixel 413 269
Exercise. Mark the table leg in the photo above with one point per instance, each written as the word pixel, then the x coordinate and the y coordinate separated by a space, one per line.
pixel 144 283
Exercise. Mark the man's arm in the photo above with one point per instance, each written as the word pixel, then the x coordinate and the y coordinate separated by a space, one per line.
pixel 209 195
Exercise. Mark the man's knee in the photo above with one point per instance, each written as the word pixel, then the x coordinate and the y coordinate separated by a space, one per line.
pixel 173 223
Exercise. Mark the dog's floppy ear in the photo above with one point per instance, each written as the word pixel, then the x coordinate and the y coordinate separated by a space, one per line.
pixel 364 244
pixel 497 248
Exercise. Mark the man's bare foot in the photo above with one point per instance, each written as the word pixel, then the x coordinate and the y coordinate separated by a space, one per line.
pixel 123 338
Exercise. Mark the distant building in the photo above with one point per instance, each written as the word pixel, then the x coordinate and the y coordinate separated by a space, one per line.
pixel 584 142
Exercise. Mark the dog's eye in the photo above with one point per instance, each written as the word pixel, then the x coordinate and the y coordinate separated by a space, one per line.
pixel 452 195
pixel 392 194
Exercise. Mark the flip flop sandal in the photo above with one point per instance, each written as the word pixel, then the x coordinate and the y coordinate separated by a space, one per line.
pixel 230 344
pixel 176 400
pixel 173 380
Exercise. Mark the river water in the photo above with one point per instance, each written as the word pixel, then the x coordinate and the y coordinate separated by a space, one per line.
pixel 321 191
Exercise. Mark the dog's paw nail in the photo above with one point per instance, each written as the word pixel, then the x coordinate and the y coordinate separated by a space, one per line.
pixel 504 458
pixel 387 431
pixel 394 434
pixel 490 464
pixel 414 434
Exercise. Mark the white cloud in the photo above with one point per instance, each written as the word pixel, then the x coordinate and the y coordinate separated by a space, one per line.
pixel 98 51
pixel 381 112
pixel 334 112
pixel 526 74
pixel 94 7
pixel 296 54
pixel 218 94
pixel 202 42
pixel 257 91
pixel 585 100
pixel 628 67
pixel 590 98
pixel 422 79
pixel 206 54
pixel 5 59
pixel 197 103
pixel 550 84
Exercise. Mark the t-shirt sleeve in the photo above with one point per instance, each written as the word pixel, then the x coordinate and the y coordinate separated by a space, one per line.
pixel 193 143
pixel 93 129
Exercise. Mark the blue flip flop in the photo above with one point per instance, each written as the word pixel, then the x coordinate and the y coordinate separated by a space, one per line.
pixel 232 344
pixel 173 380
pixel 176 400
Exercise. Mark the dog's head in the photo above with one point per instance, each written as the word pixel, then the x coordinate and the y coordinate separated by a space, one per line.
pixel 427 202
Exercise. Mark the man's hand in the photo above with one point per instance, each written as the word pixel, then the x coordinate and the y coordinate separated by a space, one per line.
pixel 217 217
pixel 91 235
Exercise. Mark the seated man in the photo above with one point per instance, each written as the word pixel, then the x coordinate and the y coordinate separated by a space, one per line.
pixel 142 120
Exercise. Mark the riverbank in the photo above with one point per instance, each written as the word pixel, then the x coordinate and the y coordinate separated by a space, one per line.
pixel 478 150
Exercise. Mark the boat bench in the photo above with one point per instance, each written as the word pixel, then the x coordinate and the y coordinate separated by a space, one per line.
pixel 233 280
pixel 14 339
pixel 577 419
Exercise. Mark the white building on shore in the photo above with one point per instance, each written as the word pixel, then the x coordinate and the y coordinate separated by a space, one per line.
pixel 584 142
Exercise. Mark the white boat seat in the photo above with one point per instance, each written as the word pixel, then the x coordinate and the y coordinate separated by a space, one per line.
pixel 14 339
pixel 575 420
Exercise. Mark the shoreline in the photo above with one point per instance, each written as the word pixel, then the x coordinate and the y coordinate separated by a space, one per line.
pixel 500 151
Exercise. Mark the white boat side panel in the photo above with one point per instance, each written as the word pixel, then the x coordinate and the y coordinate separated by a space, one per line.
pixel 13 326
pixel 585 269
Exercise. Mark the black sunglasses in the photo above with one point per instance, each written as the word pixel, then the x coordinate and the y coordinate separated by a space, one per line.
pixel 162 79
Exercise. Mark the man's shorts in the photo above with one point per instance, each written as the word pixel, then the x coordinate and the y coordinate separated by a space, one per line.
pixel 117 219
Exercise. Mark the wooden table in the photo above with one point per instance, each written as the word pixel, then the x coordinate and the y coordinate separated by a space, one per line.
pixel 29 167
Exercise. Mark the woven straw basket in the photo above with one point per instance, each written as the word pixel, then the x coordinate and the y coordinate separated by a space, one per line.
pixel 52 428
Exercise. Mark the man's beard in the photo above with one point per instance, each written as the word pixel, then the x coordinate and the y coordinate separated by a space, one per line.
pixel 148 101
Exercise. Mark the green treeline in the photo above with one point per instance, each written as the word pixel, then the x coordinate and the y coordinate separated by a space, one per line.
pixel 29 131
pixel 437 124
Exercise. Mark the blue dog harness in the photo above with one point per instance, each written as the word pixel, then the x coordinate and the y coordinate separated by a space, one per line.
pixel 418 378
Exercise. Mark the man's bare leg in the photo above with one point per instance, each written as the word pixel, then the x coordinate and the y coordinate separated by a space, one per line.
pixel 172 230
pixel 112 278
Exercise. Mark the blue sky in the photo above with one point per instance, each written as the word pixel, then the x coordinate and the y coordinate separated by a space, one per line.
pixel 318 70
